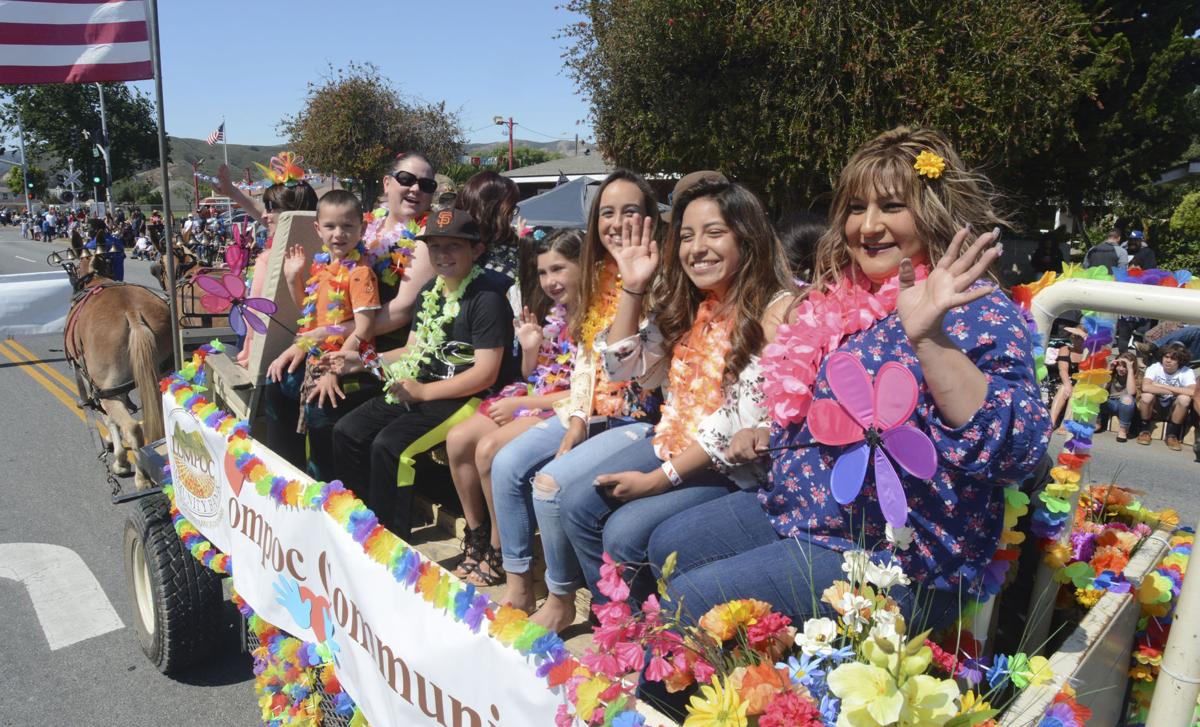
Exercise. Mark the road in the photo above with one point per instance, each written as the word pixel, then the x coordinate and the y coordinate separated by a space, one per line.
pixel 54 492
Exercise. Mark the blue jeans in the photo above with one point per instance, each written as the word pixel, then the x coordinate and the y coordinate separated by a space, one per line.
pixel 513 469
pixel 1120 404
pixel 596 523
pixel 728 549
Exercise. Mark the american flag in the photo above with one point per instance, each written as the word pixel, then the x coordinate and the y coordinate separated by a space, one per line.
pixel 218 135
pixel 73 41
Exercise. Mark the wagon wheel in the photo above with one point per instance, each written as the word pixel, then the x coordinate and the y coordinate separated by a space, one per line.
pixel 177 602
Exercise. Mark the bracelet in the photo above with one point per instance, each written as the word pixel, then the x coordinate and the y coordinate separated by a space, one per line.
pixel 633 292
pixel 671 473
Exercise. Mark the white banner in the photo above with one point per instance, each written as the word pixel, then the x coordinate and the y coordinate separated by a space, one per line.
pixel 402 660
pixel 33 303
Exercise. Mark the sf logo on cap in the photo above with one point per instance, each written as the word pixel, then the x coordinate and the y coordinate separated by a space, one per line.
pixel 444 218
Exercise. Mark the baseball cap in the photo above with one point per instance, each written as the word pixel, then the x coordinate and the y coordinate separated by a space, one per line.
pixel 450 223
pixel 690 180
pixel 1137 235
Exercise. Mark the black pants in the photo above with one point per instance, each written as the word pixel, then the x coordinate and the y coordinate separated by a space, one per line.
pixel 282 406
pixel 367 446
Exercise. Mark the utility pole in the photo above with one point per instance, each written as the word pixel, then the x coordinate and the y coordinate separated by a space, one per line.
pixel 196 182
pixel 577 145
pixel 499 121
pixel 24 168
pixel 104 142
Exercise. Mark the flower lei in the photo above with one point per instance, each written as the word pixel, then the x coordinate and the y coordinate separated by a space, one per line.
pixel 610 398
pixel 695 379
pixel 438 308
pixel 823 321
pixel 553 370
pixel 338 305
pixel 390 251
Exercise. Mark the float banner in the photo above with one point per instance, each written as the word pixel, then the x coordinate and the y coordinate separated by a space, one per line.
pixel 402 660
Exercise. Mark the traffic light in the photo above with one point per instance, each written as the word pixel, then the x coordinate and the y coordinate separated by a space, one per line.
pixel 97 179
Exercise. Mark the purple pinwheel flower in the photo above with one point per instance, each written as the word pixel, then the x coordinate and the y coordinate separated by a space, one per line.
pixel 228 293
pixel 873 418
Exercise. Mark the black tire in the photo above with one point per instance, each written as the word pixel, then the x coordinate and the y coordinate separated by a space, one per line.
pixel 177 602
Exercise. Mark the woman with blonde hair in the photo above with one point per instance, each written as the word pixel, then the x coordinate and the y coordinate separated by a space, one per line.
pixel 900 293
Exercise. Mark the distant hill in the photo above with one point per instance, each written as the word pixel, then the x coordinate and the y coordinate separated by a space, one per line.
pixel 566 148
pixel 240 155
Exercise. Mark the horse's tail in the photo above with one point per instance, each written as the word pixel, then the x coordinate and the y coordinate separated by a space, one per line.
pixel 143 355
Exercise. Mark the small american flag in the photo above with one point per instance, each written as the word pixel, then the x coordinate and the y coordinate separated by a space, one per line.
pixel 218 135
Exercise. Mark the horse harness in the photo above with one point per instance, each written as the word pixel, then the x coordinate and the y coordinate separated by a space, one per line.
pixel 82 296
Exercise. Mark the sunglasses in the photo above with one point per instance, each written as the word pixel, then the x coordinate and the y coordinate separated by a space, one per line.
pixel 270 206
pixel 408 179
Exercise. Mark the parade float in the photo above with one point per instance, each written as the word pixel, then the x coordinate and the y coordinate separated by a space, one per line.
pixel 347 624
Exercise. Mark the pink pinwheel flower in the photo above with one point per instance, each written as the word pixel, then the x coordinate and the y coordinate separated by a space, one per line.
pixel 872 417
pixel 228 293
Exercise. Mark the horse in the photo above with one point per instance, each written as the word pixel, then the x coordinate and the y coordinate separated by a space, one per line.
pixel 117 339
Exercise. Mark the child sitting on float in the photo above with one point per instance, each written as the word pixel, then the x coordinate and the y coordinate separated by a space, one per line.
pixel 898 297
pixel 547 352
pixel 457 351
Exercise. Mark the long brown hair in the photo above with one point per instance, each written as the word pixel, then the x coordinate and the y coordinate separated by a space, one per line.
pixel 593 250
pixel 762 271
pixel 491 199
pixel 940 207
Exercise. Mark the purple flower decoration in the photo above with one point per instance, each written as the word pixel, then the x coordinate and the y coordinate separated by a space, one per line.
pixel 228 293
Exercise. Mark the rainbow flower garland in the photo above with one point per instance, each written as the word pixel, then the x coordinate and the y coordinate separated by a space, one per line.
pixel 391 252
pixel 460 601
pixel 199 546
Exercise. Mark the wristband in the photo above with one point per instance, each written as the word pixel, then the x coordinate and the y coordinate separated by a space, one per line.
pixel 633 292
pixel 671 473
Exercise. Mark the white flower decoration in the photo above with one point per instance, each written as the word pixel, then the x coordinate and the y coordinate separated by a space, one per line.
pixel 817 637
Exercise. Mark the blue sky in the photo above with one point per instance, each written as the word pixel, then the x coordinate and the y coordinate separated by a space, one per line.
pixel 251 61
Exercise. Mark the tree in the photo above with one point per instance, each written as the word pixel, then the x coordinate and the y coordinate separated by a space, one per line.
pixel 131 191
pixel 1142 112
pixel 1181 249
pixel 779 94
pixel 523 156
pixel 37 181
pixel 354 122
pixel 55 117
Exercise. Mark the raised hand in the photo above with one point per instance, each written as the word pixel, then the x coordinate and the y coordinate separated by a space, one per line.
pixel 638 257
pixel 923 304
pixel 529 330
pixel 224 182
pixel 294 263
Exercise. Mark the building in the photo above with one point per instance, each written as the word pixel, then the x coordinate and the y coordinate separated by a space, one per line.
pixel 540 177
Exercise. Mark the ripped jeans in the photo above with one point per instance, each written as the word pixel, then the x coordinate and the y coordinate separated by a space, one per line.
pixel 518 501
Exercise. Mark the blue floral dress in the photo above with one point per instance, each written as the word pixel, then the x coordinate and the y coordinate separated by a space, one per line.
pixel 956 517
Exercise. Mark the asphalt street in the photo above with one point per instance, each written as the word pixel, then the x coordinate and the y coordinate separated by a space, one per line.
pixel 54 493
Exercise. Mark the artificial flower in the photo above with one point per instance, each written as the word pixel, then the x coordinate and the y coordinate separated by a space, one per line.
pixel 929 165
pixel 900 537
pixel 928 701
pixel 717 705
pixel 855 611
pixel 789 709
pixel 869 694
pixel 885 576
pixel 757 685
pixel 818 636
pixel 724 620
pixel 854 565
pixel 803 670
pixel 770 634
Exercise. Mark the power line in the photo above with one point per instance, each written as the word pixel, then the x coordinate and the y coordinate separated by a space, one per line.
pixel 535 131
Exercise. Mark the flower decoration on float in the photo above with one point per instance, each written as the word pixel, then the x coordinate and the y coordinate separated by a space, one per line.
pixel 284 168
pixel 929 165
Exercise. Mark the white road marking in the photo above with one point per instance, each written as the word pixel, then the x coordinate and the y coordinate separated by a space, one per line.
pixel 25 259
pixel 67 598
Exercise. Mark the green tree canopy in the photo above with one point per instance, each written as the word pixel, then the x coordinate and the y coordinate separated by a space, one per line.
pixel 55 117
pixel 354 122
pixel 36 177
pixel 780 94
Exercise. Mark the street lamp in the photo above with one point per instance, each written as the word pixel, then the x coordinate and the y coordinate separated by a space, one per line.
pixel 500 121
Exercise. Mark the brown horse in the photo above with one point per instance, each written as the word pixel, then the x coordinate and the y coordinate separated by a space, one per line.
pixel 117 338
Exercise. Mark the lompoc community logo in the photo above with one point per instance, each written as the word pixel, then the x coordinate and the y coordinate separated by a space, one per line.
pixel 194 471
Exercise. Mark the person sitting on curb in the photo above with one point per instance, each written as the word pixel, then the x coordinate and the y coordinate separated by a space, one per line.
pixel 1167 393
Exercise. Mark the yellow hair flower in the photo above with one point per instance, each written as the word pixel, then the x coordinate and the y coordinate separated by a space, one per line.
pixel 929 165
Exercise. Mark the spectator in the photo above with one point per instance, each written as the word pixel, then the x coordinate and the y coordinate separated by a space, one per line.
pixel 1167 394
pixel 799 233
pixel 1107 254
pixel 1140 254
pixel 1122 392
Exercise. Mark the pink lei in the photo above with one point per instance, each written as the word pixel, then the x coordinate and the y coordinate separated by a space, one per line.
pixel 822 322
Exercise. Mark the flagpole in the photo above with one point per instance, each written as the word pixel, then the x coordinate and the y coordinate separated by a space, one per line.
pixel 107 153
pixel 225 148
pixel 169 247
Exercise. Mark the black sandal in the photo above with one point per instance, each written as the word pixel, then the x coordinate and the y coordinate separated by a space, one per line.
pixel 474 544
pixel 495 563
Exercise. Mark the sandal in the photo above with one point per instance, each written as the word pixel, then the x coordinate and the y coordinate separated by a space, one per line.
pixel 494 575
pixel 474 544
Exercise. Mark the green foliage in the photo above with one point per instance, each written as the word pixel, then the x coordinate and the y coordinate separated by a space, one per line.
pixel 523 156
pixel 37 177
pixel 136 191
pixel 55 116
pixel 779 94
pixel 354 122
pixel 1181 249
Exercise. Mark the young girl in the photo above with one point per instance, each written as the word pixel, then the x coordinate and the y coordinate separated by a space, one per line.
pixel 1122 395
pixel 893 282
pixel 594 400
pixel 546 364
pixel 724 288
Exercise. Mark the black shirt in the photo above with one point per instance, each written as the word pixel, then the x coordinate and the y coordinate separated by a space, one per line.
pixel 484 321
